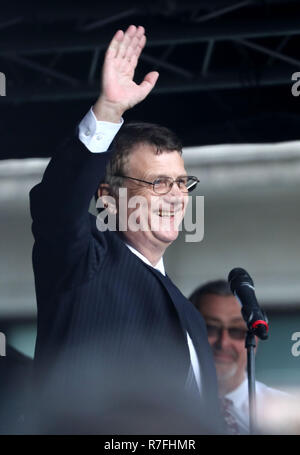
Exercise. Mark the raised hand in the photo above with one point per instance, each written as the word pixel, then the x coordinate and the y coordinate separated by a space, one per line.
pixel 119 92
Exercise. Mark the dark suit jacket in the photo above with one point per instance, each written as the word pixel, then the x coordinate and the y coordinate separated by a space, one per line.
pixel 101 309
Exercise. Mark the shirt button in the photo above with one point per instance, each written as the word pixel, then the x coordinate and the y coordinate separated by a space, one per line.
pixel 87 133
pixel 99 137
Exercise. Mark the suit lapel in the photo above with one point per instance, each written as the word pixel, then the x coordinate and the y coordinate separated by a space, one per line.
pixel 176 297
pixel 192 322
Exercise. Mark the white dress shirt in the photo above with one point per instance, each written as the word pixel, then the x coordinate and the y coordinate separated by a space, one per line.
pixel 240 402
pixel 97 136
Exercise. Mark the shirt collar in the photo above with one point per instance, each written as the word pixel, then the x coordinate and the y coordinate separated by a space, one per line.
pixel 159 266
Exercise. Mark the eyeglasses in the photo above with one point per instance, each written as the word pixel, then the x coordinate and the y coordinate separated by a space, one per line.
pixel 234 332
pixel 162 185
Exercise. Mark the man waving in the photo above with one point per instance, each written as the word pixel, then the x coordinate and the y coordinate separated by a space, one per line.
pixel 116 338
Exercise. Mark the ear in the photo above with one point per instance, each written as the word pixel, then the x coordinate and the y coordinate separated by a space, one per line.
pixel 103 190
pixel 108 201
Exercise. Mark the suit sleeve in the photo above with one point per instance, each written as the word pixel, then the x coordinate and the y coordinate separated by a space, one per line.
pixel 64 249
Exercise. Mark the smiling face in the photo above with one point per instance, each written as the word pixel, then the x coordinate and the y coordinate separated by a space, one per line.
pixel 229 353
pixel 160 215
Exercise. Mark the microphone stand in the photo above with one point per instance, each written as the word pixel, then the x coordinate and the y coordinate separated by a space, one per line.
pixel 242 287
pixel 250 345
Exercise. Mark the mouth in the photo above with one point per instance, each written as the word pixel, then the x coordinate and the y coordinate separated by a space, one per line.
pixel 168 213
pixel 223 358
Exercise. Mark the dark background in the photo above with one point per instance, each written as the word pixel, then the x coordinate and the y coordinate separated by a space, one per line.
pixel 225 68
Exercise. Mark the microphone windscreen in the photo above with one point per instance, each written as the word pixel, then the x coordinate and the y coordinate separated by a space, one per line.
pixel 238 276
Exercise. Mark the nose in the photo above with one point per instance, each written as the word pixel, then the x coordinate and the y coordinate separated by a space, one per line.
pixel 175 194
pixel 175 190
pixel 223 339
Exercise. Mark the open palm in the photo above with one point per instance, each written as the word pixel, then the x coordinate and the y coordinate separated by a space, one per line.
pixel 121 58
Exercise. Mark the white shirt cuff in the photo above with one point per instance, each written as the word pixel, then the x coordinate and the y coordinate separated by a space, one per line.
pixel 97 135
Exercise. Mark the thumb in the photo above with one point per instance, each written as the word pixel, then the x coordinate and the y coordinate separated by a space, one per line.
pixel 149 82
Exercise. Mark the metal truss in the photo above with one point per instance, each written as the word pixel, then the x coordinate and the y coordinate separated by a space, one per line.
pixel 185 43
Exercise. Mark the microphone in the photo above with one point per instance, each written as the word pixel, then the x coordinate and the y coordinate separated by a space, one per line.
pixel 242 286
